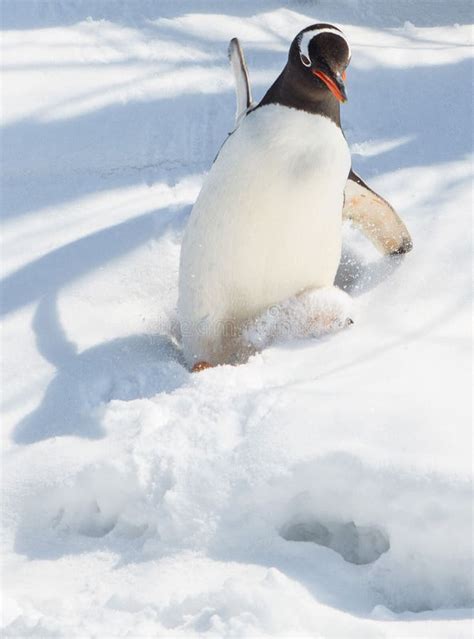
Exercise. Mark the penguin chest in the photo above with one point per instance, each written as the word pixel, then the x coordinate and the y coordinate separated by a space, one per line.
pixel 267 223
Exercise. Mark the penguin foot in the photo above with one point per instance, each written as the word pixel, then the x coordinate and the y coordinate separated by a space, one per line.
pixel 328 310
pixel 312 313
pixel 323 323
pixel 200 366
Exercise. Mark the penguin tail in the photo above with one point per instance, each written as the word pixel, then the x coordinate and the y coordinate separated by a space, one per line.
pixel 243 89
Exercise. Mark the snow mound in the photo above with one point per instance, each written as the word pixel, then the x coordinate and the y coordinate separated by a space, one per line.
pixel 177 477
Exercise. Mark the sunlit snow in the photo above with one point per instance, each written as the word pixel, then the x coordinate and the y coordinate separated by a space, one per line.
pixel 324 488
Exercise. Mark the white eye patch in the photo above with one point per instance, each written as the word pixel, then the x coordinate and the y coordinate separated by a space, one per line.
pixel 306 61
pixel 307 36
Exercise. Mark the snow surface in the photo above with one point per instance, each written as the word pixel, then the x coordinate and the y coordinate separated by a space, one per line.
pixel 324 489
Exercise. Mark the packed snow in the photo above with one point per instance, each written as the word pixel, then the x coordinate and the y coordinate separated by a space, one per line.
pixel 324 488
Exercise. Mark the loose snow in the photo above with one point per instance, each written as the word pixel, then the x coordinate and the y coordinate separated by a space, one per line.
pixel 323 489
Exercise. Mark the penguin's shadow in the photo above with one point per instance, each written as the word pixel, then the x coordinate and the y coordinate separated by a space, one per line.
pixel 356 276
pixel 127 368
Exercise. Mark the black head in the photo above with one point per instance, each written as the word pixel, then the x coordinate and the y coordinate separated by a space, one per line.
pixel 318 57
pixel 313 78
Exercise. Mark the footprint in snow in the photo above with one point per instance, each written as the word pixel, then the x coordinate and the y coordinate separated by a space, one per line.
pixel 356 544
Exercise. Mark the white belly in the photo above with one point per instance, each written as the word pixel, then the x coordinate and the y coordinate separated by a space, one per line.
pixel 267 223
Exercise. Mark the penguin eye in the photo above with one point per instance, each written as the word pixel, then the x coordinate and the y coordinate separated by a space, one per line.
pixel 305 60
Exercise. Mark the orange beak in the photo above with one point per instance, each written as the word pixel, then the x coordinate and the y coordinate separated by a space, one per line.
pixel 338 90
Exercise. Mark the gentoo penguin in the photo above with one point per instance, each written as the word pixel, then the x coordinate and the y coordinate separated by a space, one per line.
pixel 266 227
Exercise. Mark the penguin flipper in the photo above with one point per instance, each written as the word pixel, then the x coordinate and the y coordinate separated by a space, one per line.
pixel 375 217
pixel 243 90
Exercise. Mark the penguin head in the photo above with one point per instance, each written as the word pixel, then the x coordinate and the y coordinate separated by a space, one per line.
pixel 319 56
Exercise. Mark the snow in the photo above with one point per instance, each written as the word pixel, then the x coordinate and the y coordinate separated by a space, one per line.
pixel 324 489
pixel 314 313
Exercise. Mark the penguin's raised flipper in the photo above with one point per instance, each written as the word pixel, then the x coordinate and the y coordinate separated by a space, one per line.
pixel 375 217
pixel 243 90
